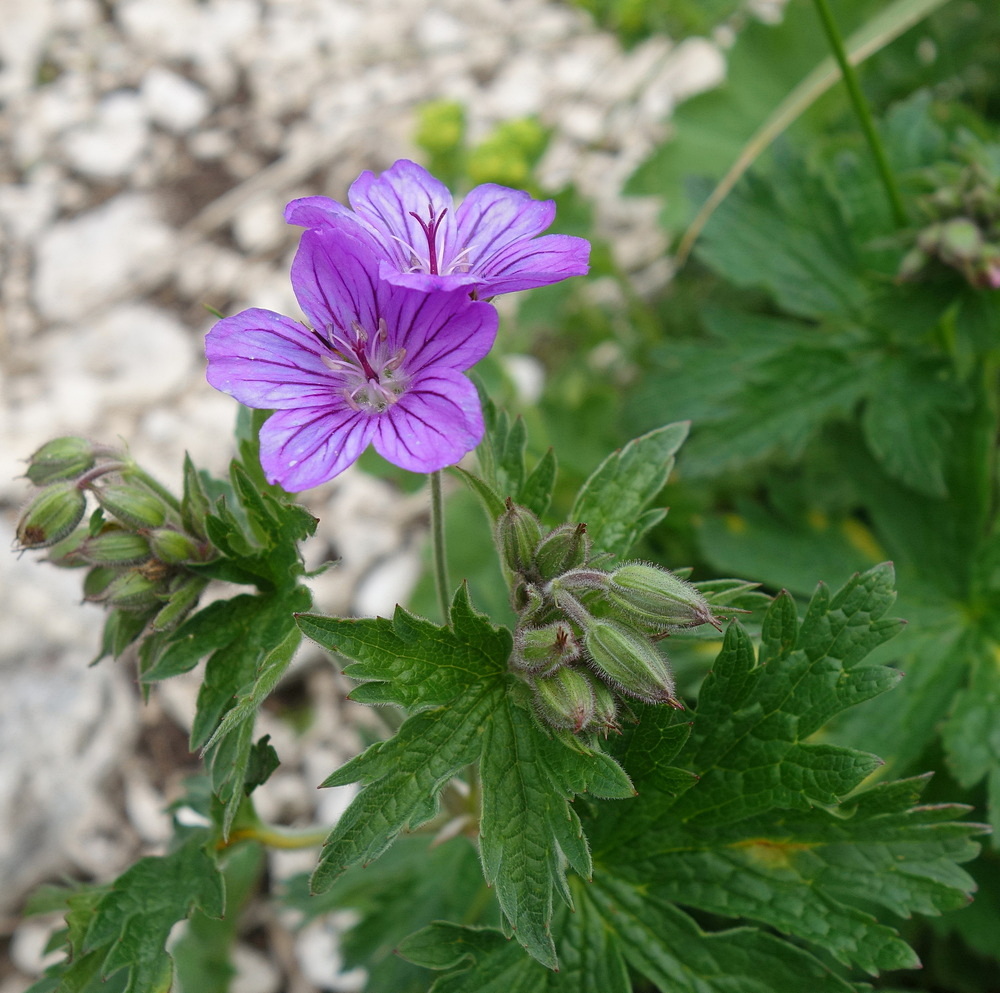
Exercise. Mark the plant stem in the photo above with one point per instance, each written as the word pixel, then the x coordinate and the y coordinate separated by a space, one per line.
pixel 276 837
pixel 863 112
pixel 437 539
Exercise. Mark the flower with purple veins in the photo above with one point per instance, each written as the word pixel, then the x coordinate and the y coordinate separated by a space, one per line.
pixel 380 365
pixel 491 243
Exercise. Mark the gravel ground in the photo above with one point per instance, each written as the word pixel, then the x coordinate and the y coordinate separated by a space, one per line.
pixel 147 148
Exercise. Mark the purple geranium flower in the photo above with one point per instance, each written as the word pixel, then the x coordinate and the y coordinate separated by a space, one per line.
pixel 488 244
pixel 381 365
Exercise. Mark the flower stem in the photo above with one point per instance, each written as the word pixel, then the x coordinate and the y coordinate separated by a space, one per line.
pixel 276 837
pixel 437 538
pixel 863 112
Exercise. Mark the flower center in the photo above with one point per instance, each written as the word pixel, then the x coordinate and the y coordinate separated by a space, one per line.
pixel 371 379
pixel 435 264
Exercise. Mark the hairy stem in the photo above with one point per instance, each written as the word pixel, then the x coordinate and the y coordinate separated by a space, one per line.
pixel 862 111
pixel 437 539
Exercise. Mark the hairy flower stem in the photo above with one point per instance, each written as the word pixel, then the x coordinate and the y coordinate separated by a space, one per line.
pixel 863 112
pixel 437 538
pixel 276 837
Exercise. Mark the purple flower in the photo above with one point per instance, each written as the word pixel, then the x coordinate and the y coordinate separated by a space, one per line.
pixel 381 365
pixel 489 244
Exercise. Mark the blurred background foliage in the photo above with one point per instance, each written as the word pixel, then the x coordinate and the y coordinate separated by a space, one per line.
pixel 839 369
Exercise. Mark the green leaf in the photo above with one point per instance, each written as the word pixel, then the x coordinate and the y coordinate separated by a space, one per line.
pixel 230 749
pixel 455 684
pixel 906 421
pixel 125 926
pixel 613 501
pixel 395 896
pixel 528 831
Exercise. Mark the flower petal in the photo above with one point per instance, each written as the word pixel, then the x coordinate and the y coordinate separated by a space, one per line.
pixel 538 262
pixel 492 217
pixel 300 449
pixel 444 329
pixel 268 361
pixel 335 275
pixel 434 424
pixel 314 212
pixel 387 201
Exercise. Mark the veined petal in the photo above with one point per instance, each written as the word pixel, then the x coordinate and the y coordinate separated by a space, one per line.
pixel 434 424
pixel 335 276
pixel 492 217
pixel 268 361
pixel 314 212
pixel 444 329
pixel 300 449
pixel 538 262
pixel 387 202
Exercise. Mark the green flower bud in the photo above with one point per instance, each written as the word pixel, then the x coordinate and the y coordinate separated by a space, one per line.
pixel 174 546
pixel 132 591
pixel 565 699
pixel 132 505
pixel 115 546
pixel 542 649
pixel 605 719
pixel 518 533
pixel 65 554
pixel 51 516
pixel 565 548
pixel 629 663
pixel 961 241
pixel 657 597
pixel 62 458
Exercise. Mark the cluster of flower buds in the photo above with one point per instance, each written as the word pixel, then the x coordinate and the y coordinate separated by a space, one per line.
pixel 585 641
pixel 137 545
pixel 962 228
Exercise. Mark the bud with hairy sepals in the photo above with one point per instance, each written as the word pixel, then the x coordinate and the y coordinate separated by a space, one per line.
pixel 629 663
pixel 115 547
pixel 656 597
pixel 174 547
pixel 132 505
pixel 518 532
pixel 60 459
pixel 565 548
pixel 565 699
pixel 542 649
pixel 51 516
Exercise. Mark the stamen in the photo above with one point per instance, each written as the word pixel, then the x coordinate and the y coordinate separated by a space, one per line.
pixel 430 229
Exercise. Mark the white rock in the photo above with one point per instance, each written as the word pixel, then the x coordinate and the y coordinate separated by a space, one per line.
pixel 27 208
pixel 317 948
pixel 173 102
pixel 27 944
pixel 389 583
pixel 137 353
pixel 254 972
pixel 100 255
pixel 259 226
pixel 111 145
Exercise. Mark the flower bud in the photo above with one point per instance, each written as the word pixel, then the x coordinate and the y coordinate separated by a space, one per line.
pixel 565 548
pixel 518 533
pixel 62 458
pixel 174 547
pixel 961 241
pixel 132 505
pixel 629 663
pixel 545 648
pixel 657 597
pixel 132 591
pixel 51 516
pixel 115 546
pixel 605 717
pixel 565 699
